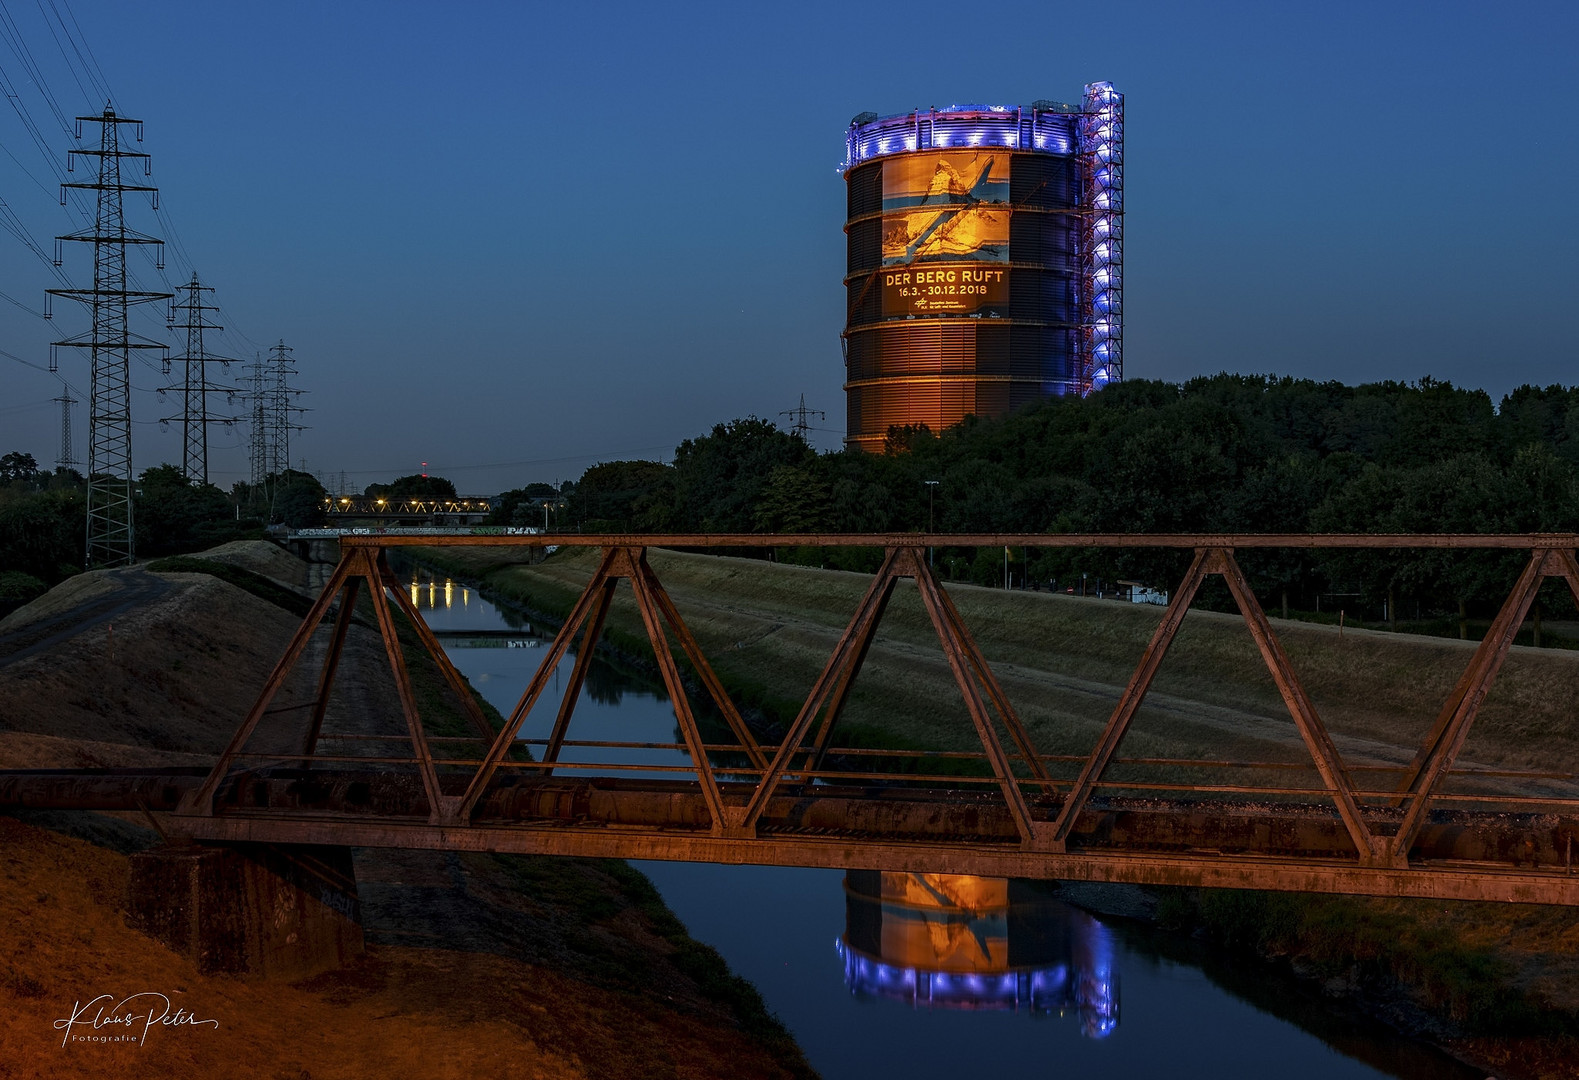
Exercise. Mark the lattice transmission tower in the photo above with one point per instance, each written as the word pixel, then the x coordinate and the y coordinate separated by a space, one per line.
pixel 109 344
pixel 801 417
pixel 258 454
pixel 67 458
pixel 271 402
pixel 195 388
pixel 282 406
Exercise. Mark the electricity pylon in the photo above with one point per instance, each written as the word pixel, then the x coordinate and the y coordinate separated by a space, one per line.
pixel 282 403
pixel 195 387
pixel 111 537
pixel 67 458
pixel 800 415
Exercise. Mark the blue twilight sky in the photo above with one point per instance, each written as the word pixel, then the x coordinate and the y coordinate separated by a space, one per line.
pixel 514 239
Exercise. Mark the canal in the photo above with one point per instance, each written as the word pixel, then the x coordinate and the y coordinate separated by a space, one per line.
pixel 934 975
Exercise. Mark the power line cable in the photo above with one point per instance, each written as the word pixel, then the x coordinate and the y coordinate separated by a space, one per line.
pixel 18 43
pixel 101 82
pixel 85 95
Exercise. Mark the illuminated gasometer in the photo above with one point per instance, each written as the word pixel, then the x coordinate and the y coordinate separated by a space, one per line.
pixel 981 240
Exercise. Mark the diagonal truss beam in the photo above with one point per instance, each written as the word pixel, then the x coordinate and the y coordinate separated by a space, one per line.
pixel 851 643
pixel 1442 745
pixel 578 675
pixel 534 689
pixel 1129 701
pixel 456 682
pixel 630 565
pixel 1318 742
pixel 869 616
pixel 1329 763
pixel 331 664
pixel 965 660
pixel 437 808
pixel 693 653
pixel 983 673
pixel 201 801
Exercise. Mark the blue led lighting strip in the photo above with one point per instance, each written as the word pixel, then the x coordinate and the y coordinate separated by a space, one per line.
pixel 960 127
pixel 1101 150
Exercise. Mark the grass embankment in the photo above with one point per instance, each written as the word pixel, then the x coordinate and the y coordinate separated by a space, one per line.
pixel 1479 968
pixel 768 629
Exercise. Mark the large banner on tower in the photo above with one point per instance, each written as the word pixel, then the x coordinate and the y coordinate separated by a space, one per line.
pixel 945 232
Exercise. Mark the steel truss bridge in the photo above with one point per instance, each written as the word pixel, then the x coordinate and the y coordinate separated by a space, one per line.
pixel 1432 828
pixel 462 508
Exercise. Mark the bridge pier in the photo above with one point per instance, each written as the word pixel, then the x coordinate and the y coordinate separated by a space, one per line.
pixel 270 911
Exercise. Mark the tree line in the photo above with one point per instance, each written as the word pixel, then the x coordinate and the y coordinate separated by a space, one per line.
pixel 1223 453
pixel 43 515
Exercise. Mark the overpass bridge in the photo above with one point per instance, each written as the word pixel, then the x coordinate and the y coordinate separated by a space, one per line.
pixel 1435 827
pixel 461 510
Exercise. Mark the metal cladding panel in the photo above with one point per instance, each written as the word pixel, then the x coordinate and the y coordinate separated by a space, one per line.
pixel 864 241
pixel 1046 240
pixel 1004 349
pixel 1045 182
pixel 937 372
pixel 865 193
pixel 1044 296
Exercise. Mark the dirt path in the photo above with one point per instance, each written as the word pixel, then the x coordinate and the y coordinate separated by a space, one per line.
pixel 131 588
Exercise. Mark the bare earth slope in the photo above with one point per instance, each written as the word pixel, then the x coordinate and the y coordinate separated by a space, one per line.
pixel 476 965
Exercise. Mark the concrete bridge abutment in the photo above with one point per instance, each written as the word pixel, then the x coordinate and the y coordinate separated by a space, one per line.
pixel 265 911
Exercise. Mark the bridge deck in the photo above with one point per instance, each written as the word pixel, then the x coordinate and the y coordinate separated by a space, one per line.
pixel 1464 854
pixel 1428 829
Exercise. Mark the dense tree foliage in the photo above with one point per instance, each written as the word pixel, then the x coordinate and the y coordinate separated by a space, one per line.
pixel 415 486
pixel 43 526
pixel 175 515
pixel 1219 453
pixel 524 505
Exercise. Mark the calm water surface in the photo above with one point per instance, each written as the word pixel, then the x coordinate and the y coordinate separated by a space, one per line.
pixel 932 975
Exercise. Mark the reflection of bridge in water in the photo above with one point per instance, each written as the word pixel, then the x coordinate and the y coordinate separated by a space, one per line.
pixel 950 941
pixel 1430 828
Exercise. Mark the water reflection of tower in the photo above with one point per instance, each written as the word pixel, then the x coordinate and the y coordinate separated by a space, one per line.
pixel 953 941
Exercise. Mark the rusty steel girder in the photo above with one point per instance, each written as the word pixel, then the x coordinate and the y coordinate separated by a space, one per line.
pixel 1410 839
pixel 1458 854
